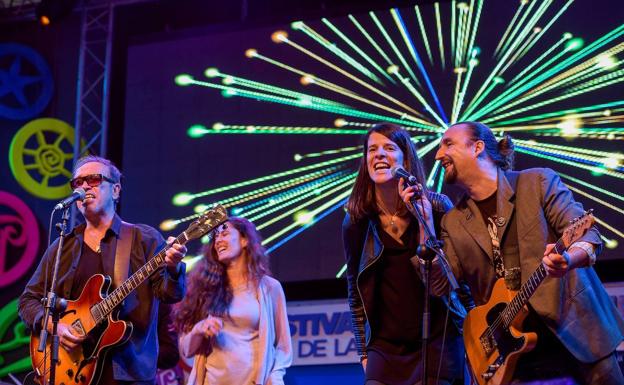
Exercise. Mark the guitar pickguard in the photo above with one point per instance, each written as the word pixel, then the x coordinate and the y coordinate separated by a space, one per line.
pixel 500 337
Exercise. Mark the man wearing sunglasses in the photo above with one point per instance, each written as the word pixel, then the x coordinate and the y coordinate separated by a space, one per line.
pixel 91 248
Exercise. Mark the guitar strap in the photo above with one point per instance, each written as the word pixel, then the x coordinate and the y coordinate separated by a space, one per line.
pixel 507 261
pixel 122 254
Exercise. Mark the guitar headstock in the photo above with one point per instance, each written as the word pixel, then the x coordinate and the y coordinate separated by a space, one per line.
pixel 577 228
pixel 206 222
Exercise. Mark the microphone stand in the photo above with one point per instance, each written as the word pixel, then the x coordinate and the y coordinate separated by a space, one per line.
pixel 427 252
pixel 54 305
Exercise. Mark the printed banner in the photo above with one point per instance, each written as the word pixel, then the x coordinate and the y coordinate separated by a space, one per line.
pixel 321 333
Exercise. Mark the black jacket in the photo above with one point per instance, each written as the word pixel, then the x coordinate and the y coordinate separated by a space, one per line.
pixel 363 249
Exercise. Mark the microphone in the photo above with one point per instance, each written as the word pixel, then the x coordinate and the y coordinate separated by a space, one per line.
pixel 78 194
pixel 399 172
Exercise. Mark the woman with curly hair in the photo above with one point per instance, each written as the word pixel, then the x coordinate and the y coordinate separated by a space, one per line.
pixel 233 319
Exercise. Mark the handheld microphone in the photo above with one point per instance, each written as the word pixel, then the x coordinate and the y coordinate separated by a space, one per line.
pixel 78 194
pixel 399 172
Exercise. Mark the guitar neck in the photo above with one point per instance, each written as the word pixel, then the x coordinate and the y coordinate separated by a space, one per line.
pixel 527 290
pixel 103 308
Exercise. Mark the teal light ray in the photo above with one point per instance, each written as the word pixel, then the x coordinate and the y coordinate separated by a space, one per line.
pixel 276 188
pixel 341 71
pixel 277 204
pixel 233 91
pixel 371 40
pixel 433 173
pixel 597 83
pixel 460 97
pixel 546 28
pixel 461 26
pixel 188 197
pixel 440 180
pixel 412 49
pixel 440 38
pixel 605 225
pixel 314 212
pixel 394 47
pixel 423 33
pixel 587 167
pixel 588 74
pixel 605 39
pixel 357 49
pixel 592 186
pixel 474 30
pixel 518 53
pixel 578 152
pixel 596 199
pixel 553 100
pixel 453 21
pixel 517 27
pixel 406 82
pixel 299 157
pixel 528 70
pixel 512 92
pixel 511 24
pixel 561 113
pixel 229 80
pixel 319 198
pixel 528 28
pixel 315 80
pixel 333 48
pixel 199 131
pixel 280 194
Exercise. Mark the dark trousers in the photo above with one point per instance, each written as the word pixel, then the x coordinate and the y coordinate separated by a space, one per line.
pixel 107 377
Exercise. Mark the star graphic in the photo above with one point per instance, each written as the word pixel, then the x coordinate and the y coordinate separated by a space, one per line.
pixel 12 82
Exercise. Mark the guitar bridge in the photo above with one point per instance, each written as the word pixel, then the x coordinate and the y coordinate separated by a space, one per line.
pixel 488 342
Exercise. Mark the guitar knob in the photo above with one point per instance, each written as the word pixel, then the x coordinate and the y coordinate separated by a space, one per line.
pixel 70 373
pixel 82 378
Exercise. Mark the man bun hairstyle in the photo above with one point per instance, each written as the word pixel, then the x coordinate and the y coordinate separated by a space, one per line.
pixel 506 150
pixel 501 152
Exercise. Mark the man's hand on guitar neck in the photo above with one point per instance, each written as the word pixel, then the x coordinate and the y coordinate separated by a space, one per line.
pixel 174 255
pixel 68 338
pixel 557 265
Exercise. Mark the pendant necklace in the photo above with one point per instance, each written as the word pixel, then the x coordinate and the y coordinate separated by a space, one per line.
pixel 392 225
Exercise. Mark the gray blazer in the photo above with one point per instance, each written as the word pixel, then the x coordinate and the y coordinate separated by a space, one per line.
pixel 576 307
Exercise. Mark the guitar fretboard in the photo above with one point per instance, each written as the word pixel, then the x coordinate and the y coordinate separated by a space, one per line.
pixel 102 309
pixel 527 290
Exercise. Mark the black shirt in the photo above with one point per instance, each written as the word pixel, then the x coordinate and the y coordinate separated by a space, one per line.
pixel 399 294
pixel 90 264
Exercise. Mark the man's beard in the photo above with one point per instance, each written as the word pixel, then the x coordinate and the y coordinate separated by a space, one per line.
pixel 450 177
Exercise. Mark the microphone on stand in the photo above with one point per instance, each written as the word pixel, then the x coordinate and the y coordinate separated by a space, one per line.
pixel 78 194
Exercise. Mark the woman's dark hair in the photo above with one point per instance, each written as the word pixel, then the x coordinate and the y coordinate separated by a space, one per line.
pixel 501 152
pixel 361 203
pixel 209 291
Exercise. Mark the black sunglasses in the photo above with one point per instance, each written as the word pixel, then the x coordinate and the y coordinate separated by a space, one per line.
pixel 92 180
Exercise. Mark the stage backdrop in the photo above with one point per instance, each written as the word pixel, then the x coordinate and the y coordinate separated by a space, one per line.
pixel 268 121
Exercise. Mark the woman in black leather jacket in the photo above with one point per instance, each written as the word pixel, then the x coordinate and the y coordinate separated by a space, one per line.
pixel 386 293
